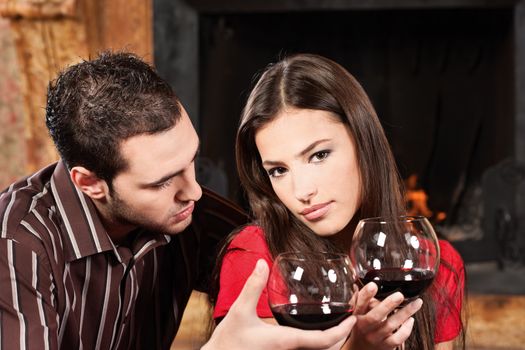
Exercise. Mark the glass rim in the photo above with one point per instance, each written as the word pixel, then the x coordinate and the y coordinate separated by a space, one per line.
pixel 304 256
pixel 391 219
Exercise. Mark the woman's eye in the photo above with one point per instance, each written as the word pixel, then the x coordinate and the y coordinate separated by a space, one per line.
pixel 319 156
pixel 276 172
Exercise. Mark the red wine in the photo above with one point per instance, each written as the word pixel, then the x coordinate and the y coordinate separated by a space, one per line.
pixel 410 282
pixel 311 316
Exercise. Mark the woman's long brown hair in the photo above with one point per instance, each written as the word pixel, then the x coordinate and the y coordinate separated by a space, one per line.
pixel 308 81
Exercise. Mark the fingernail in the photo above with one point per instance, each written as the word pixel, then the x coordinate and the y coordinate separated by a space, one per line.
pixel 416 304
pixel 259 266
pixel 398 297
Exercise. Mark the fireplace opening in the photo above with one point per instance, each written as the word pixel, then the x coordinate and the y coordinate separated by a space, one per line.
pixel 441 79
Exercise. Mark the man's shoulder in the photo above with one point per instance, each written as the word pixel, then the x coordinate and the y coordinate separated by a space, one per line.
pixel 27 191
pixel 216 216
pixel 217 209
pixel 27 211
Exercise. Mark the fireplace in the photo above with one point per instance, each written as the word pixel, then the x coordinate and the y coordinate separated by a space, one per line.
pixel 447 79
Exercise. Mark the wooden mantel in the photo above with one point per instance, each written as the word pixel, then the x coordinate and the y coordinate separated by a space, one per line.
pixel 52 34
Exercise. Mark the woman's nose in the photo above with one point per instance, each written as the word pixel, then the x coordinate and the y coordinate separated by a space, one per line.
pixel 304 188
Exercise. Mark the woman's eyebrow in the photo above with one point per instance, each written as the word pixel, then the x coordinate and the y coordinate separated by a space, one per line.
pixel 301 154
pixel 309 148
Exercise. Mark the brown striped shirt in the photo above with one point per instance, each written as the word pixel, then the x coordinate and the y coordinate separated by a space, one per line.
pixel 65 285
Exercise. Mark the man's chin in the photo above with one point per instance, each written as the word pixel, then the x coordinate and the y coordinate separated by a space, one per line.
pixel 178 227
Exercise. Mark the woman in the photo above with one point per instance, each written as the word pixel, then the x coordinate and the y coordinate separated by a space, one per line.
pixel 314 160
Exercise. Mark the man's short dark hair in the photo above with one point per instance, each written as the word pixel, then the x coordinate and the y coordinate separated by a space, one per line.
pixel 95 105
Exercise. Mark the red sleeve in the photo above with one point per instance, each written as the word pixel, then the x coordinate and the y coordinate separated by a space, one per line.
pixel 448 293
pixel 238 263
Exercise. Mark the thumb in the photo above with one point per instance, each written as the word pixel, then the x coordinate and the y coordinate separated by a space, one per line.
pixel 249 296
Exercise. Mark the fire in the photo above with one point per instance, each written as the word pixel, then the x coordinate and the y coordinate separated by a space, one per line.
pixel 417 199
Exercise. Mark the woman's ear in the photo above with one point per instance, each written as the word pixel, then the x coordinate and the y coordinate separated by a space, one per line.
pixel 89 183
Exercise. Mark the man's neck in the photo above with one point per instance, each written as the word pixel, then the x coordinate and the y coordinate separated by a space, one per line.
pixel 115 230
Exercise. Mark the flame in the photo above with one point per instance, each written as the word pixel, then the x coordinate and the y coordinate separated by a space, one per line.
pixel 416 199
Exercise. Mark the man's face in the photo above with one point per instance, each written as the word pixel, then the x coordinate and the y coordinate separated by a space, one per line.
pixel 158 191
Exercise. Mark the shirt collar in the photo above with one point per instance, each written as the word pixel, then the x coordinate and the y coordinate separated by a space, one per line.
pixel 81 228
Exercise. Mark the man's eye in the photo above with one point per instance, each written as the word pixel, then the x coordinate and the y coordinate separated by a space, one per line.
pixel 162 185
pixel 276 172
pixel 319 156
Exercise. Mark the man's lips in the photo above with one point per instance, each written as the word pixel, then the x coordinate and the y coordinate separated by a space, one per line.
pixel 184 213
pixel 315 211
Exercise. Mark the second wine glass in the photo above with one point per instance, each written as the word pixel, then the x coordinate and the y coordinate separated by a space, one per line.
pixel 311 290
pixel 397 253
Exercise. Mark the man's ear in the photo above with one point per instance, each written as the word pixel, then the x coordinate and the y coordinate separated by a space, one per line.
pixel 89 183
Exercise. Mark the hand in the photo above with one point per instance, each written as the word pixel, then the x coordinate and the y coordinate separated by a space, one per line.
pixel 378 326
pixel 241 328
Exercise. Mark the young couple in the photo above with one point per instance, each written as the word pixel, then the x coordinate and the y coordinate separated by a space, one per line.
pixel 99 250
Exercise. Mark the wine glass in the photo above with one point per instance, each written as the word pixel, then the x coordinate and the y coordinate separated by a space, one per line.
pixel 311 290
pixel 397 253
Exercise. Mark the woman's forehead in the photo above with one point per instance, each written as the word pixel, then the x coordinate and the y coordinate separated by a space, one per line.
pixel 292 131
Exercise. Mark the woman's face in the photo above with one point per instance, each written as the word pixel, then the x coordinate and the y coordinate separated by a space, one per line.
pixel 310 158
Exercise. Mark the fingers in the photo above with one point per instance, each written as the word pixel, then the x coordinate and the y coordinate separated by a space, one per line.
pixel 380 312
pixel 386 326
pixel 364 298
pixel 342 330
pixel 397 320
pixel 401 315
pixel 401 335
pixel 249 296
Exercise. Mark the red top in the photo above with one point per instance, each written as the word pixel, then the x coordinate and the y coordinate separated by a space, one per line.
pixel 250 245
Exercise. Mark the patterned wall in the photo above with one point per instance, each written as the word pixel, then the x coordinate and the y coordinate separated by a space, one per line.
pixel 12 144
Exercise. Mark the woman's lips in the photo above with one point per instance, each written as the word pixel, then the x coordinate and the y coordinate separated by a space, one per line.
pixel 315 212
pixel 185 213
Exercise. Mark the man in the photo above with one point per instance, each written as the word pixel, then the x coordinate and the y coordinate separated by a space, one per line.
pixel 97 250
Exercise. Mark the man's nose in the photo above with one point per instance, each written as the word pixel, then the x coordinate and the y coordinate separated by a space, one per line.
pixel 190 189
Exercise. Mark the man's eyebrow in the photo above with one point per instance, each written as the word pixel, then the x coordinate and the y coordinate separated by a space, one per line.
pixel 307 150
pixel 171 175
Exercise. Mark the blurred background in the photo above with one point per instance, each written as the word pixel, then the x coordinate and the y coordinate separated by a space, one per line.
pixel 447 78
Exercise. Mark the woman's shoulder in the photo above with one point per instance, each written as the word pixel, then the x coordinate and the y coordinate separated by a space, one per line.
pixel 450 255
pixel 250 237
pixel 451 273
pixel 448 291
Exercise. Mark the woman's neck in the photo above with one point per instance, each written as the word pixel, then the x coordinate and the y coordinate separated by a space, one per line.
pixel 343 239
